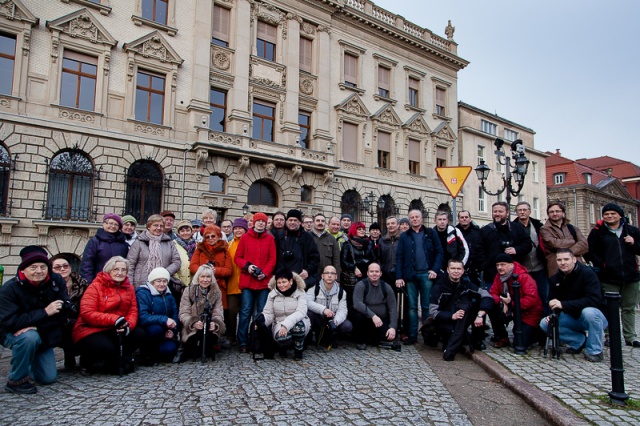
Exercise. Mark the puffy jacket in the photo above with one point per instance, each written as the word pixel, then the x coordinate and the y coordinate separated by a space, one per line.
pixel 405 254
pixel 138 258
pixel 554 237
pixel 577 290
pixel 155 308
pixel 613 258
pixel 256 248
pixel 446 297
pixel 286 311
pixel 192 306
pixel 529 301
pixel 183 274
pixel 297 251
pixel 453 244
pixel 219 255
pixel 99 250
pixel 103 303
pixel 328 300
pixel 492 238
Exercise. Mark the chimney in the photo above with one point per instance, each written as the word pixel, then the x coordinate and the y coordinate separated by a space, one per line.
pixel 558 151
pixel 609 171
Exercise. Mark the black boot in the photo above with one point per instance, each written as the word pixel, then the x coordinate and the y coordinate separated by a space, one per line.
pixel 283 352
pixel 297 355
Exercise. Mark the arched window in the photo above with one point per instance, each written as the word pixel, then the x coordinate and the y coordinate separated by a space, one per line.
pixel 261 193
pixel 306 194
pixel 144 190
pixel 5 167
pixel 70 186
pixel 351 203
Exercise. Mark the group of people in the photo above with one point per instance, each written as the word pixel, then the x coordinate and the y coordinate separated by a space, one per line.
pixel 188 289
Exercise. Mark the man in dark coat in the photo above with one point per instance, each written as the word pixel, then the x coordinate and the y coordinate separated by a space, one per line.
pixel 473 237
pixel 31 320
pixel 297 251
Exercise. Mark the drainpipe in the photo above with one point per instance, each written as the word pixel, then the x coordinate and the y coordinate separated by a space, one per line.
pixel 184 167
pixel 575 206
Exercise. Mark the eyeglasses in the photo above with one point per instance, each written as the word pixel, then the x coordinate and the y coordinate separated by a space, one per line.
pixel 111 223
pixel 211 237
pixel 60 267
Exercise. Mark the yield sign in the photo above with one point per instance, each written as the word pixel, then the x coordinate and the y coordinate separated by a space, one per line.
pixel 453 178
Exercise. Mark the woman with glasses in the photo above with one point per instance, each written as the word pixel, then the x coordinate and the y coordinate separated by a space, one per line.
pixel 108 242
pixel 153 249
pixel 355 256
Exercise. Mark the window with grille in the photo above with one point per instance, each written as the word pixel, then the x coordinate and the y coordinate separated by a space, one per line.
pixel 5 168
pixel 71 175
pixel 351 203
pixel 144 190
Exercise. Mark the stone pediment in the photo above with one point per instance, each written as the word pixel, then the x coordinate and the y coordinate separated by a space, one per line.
pixel 387 115
pixel 353 105
pixel 14 10
pixel 155 46
pixel 82 24
pixel 613 187
pixel 416 124
pixel 444 132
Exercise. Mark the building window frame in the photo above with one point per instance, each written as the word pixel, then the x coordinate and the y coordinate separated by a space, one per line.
pixel 415 159
pixel 441 102
pixel 217 183
pixel 351 79
pixel 414 93
pixel 306 194
pixel 221 25
pixel 304 121
pixel 387 64
pixel 441 156
pixel 481 153
pixel 510 135
pixel 488 127
pixel 266 44
pixel 353 154
pixel 306 61
pixel 534 171
pixel 559 178
pixel 482 200
pixel 215 106
pixel 103 6
pixel 20 28
pixel 5 176
pixel 384 149
pixel 71 175
pixel 144 184
pixel 151 92
pixel 76 77
pixel 262 193
pixel 9 59
pixel 169 26
pixel 259 132
pixel 535 206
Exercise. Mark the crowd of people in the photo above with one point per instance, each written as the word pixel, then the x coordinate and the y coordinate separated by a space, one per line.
pixel 185 290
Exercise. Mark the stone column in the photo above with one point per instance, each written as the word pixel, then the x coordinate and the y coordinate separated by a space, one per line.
pixel 323 134
pixel 291 59
pixel 238 96
pixel 201 63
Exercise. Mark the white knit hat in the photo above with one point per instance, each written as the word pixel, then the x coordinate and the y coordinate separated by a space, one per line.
pixel 158 273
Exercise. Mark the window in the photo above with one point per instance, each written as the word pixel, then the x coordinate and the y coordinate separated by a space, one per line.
pixel 384 81
pixel 218 107
pixel 306 53
pixel 384 150
pixel 305 194
pixel 558 178
pixel 149 97
pixel 482 200
pixel 592 213
pixel 144 190
pixel 534 171
pixel 70 186
pixel 261 193
pixel 5 168
pixel 264 116
pixel 155 10
pixel 441 95
pixel 7 62
pixel 510 135
pixel 350 142
pixel 220 31
pixel 414 157
pixel 587 178
pixel 441 156
pixel 266 41
pixel 304 121
pixel 498 164
pixel 488 127
pixel 79 76
pixel 481 153
pixel 536 207
pixel 414 92
pixel 216 183
pixel 350 70
pixel 351 203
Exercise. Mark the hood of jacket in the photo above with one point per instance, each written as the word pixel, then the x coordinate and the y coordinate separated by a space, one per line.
pixel 110 237
pixel 296 278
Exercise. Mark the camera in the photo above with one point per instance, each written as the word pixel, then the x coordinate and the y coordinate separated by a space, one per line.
pixel 69 307
pixel 256 272
pixel 332 325
pixel 506 244
pixel 288 255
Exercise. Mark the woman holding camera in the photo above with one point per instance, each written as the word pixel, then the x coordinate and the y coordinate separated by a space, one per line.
pixel 256 257
pixel 107 320
pixel 355 256
pixel 202 297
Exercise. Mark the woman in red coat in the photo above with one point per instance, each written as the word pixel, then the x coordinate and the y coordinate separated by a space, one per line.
pixel 108 312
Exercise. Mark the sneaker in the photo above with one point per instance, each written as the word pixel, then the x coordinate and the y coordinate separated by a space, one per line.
pixel 410 341
pixel 26 387
pixel 242 349
pixel 594 358
pixel 502 343
pixel 361 346
pixel 634 343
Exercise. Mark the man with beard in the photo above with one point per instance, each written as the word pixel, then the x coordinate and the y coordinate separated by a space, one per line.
pixel 471 233
pixel 297 251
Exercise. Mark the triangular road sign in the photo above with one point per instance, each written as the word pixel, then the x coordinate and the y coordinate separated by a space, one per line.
pixel 453 178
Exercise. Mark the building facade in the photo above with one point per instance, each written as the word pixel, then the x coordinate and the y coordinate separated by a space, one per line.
pixel 478 130
pixel 138 106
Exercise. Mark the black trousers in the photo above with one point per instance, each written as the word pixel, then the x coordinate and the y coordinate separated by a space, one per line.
pixel 104 347
pixel 499 322
pixel 367 332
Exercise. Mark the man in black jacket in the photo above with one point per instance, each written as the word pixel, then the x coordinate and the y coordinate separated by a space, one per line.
pixel 613 247
pixel 575 291
pixel 473 237
pixel 31 320
pixel 297 250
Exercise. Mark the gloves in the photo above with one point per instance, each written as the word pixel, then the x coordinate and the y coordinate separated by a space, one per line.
pixel 121 323
pixel 260 320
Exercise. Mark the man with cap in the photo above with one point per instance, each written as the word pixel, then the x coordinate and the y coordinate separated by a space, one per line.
pixel 374 236
pixel 297 251
pixel 169 220
pixel 403 224
pixel 501 314
pixel 328 247
pixel 129 224
pixel 613 247
pixel 345 222
pixel 32 316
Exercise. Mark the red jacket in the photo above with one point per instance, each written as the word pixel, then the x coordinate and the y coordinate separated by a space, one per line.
pixel 529 300
pixel 222 261
pixel 258 249
pixel 102 304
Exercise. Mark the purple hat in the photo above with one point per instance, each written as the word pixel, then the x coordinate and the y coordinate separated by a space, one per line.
pixel 241 223
pixel 113 216
pixel 31 255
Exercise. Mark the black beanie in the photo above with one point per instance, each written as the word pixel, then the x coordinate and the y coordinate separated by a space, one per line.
pixel 31 255
pixel 295 213
pixel 375 225
pixel 612 206
pixel 504 258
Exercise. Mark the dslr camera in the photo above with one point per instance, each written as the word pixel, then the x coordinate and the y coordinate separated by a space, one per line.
pixel 256 272
pixel 288 255
pixel 506 244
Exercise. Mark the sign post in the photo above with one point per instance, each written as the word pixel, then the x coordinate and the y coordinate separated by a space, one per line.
pixel 453 179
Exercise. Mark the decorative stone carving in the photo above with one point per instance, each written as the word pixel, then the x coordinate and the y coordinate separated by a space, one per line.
pixel 77 116
pixel 311 155
pixel 221 60
pixel 449 30
pixel 5 102
pixel 243 163
pixel 308 28
pixel 154 45
pixel 16 12
pixel 82 24
pixel 353 105
pixel 296 172
pixel 201 158
pixel 158 131
pixel 327 178
pixel 224 138
pixel 306 86
pixel 270 169
pixel 352 167
pixel 387 115
pixel 385 173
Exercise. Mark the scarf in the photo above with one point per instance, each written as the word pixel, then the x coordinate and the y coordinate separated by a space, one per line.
pixel 504 280
pixel 289 292
pixel 189 246
pixel 23 278
pixel 155 253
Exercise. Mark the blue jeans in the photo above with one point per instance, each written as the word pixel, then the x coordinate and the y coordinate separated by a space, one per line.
pixel 250 299
pixel 27 360
pixel 572 330
pixel 420 286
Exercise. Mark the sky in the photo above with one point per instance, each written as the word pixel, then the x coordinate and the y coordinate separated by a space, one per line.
pixel 568 69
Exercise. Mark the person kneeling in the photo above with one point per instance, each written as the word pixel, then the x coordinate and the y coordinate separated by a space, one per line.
pixel 286 313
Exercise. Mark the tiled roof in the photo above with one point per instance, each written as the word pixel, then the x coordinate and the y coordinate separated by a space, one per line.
pixel 620 168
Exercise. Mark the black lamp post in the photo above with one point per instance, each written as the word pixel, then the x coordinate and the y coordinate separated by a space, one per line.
pixel 516 170
pixel 370 204
pixel 245 209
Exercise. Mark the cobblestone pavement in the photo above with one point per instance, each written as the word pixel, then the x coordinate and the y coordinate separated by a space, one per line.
pixel 346 386
pixel 578 383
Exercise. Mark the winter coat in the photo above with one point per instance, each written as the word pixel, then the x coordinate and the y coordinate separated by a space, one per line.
pixel 577 290
pixel 319 303
pixel 103 303
pixel 388 247
pixel 405 254
pixel 23 304
pixel 329 250
pixel 155 308
pixel 447 297
pixel 492 238
pixel 352 256
pixel 529 300
pixel 286 311
pixel 183 274
pixel 139 256
pixel 473 237
pixel 454 246
pixel 297 251
pixel 219 255
pixel 614 259
pixel 554 237
pixel 256 248
pixel 192 306
pixel 233 282
pixel 99 250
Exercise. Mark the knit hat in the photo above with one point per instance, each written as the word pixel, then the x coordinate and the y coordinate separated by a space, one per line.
pixel 128 218
pixel 168 213
pixel 294 213
pixel 375 225
pixel 612 206
pixel 403 220
pixel 241 223
pixel 158 273
pixel 504 258
pixel 260 216
pixel 182 224
pixel 346 215
pixel 197 222
pixel 31 255
pixel 113 216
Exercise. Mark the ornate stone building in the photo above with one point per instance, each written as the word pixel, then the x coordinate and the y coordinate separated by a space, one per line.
pixel 137 106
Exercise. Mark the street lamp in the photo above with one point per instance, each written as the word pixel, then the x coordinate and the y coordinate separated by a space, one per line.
pixel 245 209
pixel 520 166
pixel 370 204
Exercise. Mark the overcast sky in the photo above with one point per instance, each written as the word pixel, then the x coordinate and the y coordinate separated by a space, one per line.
pixel 568 69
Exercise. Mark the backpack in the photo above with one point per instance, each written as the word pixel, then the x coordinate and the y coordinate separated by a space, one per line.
pixel 385 291
pixel 316 292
